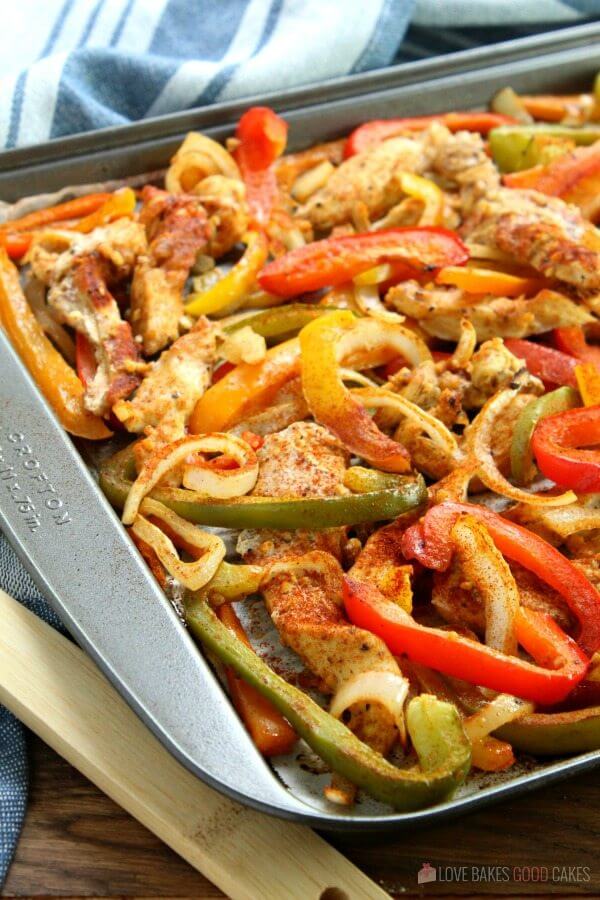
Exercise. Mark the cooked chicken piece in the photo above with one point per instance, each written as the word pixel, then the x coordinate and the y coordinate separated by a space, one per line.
pixel 303 589
pixel 541 231
pixel 166 397
pixel 459 603
pixel 439 312
pixel 224 200
pixel 382 564
pixel 584 545
pixel 288 406
pixel 81 299
pixel 492 368
pixel 119 243
pixel 177 231
pixel 371 177
pixel 461 161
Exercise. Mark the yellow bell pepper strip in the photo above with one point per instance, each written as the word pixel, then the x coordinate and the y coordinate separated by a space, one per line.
pixel 55 378
pixel 488 281
pixel 431 196
pixel 521 455
pixel 246 389
pixel 588 382
pixel 517 147
pixel 324 344
pixel 404 495
pixel 434 727
pixel 335 260
pixel 229 293
pixel 120 204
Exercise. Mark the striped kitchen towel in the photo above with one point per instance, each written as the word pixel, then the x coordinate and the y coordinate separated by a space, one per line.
pixel 75 65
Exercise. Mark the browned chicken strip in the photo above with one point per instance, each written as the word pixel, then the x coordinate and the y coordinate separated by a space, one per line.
pixel 166 397
pixel 177 231
pixel 82 300
pixel 302 589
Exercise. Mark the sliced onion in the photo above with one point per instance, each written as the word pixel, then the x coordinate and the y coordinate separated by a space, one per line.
pixel 487 251
pixel 388 688
pixel 566 520
pixel 381 398
pixel 484 566
pixel 223 484
pixel 368 336
pixel 465 348
pixel 480 439
pixel 357 378
pixel 173 455
pixel 311 180
pixel 368 302
pixel 197 158
pixel 502 709
pixel 211 549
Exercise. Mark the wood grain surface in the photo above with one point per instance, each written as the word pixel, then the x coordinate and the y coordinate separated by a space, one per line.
pixel 78 843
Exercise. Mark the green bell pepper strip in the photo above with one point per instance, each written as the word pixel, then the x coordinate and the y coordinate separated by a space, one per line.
pixel 434 726
pixel 521 455
pixel 281 514
pixel 514 147
pixel 280 322
pixel 550 734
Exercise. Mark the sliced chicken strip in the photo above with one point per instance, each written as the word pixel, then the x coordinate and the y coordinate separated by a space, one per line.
pixel 166 397
pixel 82 300
pixel 303 589
pixel 177 232
pixel 371 178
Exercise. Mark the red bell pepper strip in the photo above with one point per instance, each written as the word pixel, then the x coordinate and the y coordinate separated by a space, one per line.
pixel 555 442
pixel 371 133
pixel 571 340
pixel 16 245
pixel 262 135
pixel 552 366
pixel 461 657
pixel 429 542
pixel 85 359
pixel 336 260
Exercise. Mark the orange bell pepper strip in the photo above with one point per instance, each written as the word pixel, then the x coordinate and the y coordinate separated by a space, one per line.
pixel 588 382
pixel 72 209
pixel 55 378
pixel 488 281
pixel 262 136
pixel 372 133
pixel 120 204
pixel 461 657
pixel 429 541
pixel 246 389
pixel 574 177
pixel 555 107
pixel 571 339
pixel 332 404
pixel 271 733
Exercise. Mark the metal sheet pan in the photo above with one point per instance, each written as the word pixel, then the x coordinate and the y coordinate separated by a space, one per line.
pixel 73 543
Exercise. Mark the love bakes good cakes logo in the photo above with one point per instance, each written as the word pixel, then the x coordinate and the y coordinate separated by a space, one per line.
pixel 427 874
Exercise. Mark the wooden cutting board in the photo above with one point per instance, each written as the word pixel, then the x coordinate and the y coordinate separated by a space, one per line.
pixel 58 692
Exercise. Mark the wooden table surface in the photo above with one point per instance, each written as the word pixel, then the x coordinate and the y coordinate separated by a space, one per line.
pixel 78 843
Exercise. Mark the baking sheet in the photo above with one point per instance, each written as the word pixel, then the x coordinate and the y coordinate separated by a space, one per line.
pixel 172 711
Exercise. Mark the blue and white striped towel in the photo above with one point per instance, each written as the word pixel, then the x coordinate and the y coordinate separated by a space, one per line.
pixel 76 65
